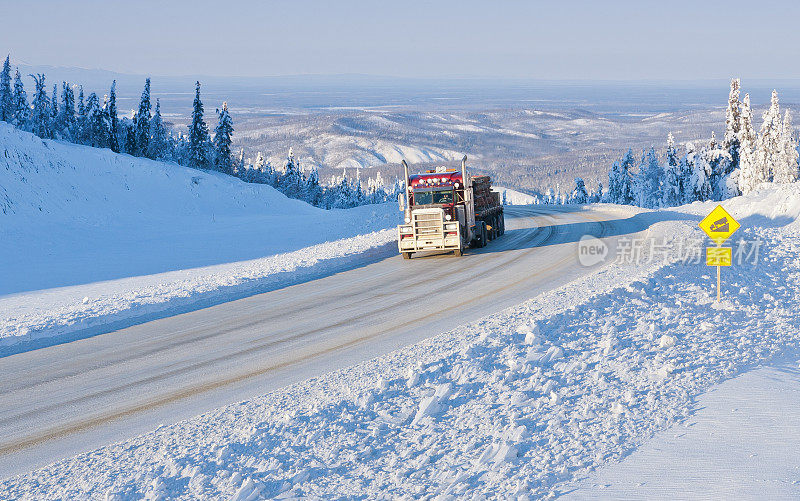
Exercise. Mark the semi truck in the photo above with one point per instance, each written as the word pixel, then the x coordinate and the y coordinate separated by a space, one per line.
pixel 447 210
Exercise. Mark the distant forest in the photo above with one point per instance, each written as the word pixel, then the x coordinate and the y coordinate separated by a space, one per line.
pixel 92 121
pixel 713 171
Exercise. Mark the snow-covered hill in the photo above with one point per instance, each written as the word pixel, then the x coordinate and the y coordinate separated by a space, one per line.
pixel 73 216
pixel 521 404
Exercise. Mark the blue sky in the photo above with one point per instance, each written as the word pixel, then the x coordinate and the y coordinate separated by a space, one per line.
pixel 624 40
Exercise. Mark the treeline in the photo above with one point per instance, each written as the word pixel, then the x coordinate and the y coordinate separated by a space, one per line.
pixel 713 171
pixel 92 121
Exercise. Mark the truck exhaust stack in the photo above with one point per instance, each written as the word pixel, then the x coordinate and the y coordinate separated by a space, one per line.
pixel 406 188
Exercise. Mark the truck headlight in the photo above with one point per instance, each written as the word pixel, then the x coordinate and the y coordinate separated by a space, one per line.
pixel 448 217
pixel 405 229
pixel 451 227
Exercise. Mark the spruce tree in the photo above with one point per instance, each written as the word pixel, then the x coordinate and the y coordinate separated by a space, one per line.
pixel 198 134
pixel 113 119
pixel 222 141
pixel 143 122
pixel 671 190
pixel 649 181
pixel 67 117
pixel 21 109
pixel 313 191
pixel 54 104
pixel 6 95
pixel 769 138
pixel 687 180
pixel 101 125
pixel 749 173
pixel 733 120
pixel 129 132
pixel 159 139
pixel 700 179
pixel 613 195
pixel 81 106
pixel 91 134
pixel 291 181
pixel 240 164
pixel 626 184
pixel 786 171
pixel 719 167
pixel 580 195
pixel 40 118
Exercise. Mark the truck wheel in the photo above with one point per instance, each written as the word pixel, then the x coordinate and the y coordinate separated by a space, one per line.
pixel 484 236
pixel 406 255
pixel 502 224
pixel 490 232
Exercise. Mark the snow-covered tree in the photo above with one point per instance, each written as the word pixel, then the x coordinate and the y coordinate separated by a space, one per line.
pixel 649 181
pixel 786 168
pixel 21 109
pixel 342 195
pixel 672 188
pixel 198 134
pixel 579 195
pixel 223 137
pixel 620 185
pixel 598 195
pixel 733 121
pixel 260 162
pixel 128 132
pixel 142 122
pixel 54 125
pixel 768 144
pixel 6 95
pixel 749 173
pixel 96 129
pixel 159 138
pixel 291 181
pixel 700 178
pixel 66 118
pixel 81 105
pixel 313 192
pixel 718 162
pixel 40 116
pixel 113 119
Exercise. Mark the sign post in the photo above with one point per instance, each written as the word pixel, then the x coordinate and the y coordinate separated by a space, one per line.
pixel 719 226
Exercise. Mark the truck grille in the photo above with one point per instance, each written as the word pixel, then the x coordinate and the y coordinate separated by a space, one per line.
pixel 426 224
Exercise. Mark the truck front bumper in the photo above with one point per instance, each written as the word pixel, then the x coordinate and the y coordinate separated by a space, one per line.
pixel 443 239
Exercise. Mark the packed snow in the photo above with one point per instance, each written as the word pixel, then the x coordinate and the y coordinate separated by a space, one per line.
pixel 523 403
pixel 91 240
pixel 742 442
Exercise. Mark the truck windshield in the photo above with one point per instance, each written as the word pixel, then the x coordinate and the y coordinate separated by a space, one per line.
pixel 433 197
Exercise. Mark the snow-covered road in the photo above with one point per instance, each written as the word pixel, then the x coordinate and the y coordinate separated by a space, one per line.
pixel 64 399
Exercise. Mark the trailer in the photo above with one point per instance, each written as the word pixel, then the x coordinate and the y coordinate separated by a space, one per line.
pixel 448 210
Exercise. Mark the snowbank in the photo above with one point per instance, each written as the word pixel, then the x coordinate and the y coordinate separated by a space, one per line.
pixel 91 240
pixel 748 425
pixel 521 403
pixel 513 197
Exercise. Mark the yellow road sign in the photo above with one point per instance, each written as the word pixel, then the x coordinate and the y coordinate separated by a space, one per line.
pixel 719 225
pixel 719 256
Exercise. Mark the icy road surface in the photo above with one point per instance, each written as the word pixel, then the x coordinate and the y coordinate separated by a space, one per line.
pixel 61 400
